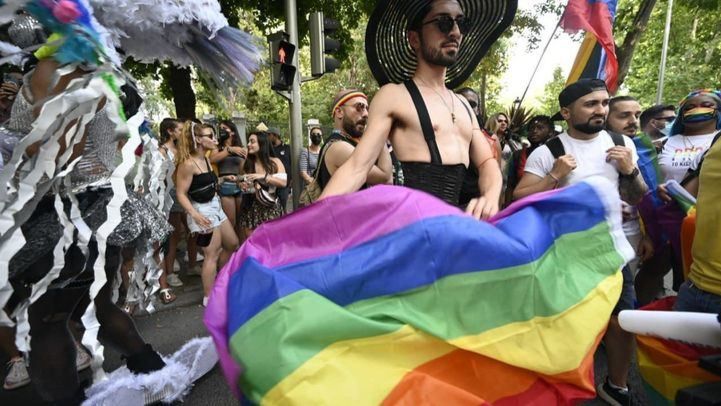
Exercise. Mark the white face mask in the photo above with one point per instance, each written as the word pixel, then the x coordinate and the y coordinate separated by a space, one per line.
pixel 667 130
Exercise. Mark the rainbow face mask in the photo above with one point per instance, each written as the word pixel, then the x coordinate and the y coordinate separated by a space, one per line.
pixel 699 115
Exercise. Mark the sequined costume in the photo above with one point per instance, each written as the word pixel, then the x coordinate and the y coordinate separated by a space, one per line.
pixel 65 214
pixel 140 222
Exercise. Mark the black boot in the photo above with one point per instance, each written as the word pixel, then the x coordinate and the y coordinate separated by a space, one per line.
pixel 147 360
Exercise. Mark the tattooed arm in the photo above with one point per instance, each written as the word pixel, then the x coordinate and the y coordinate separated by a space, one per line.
pixel 632 189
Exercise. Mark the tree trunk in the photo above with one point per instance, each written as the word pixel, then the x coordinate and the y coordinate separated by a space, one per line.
pixel 625 52
pixel 183 94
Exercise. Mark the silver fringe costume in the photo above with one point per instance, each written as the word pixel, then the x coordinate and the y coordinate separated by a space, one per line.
pixel 51 201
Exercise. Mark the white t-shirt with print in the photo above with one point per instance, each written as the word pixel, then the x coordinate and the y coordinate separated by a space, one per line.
pixel 679 153
pixel 590 158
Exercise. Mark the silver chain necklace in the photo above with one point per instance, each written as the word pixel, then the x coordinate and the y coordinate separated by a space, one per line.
pixel 451 109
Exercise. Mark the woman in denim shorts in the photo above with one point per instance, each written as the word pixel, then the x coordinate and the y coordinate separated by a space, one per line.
pixel 229 159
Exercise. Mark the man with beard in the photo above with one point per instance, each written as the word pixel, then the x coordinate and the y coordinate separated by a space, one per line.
pixel 623 118
pixel 350 115
pixel 433 132
pixel 586 150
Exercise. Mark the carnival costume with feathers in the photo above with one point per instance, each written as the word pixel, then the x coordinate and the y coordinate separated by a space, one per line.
pixel 85 35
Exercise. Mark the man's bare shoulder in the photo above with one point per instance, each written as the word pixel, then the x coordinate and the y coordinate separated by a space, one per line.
pixel 391 90
pixel 340 147
pixel 391 98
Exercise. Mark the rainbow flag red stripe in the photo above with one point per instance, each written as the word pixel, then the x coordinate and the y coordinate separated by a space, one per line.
pixel 390 295
pixel 597 56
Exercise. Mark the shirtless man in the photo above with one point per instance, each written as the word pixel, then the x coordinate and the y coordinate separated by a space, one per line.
pixel 458 137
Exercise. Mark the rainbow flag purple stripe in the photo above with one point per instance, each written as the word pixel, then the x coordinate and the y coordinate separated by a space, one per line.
pixel 340 283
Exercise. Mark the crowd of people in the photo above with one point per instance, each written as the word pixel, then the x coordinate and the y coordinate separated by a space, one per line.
pixel 416 132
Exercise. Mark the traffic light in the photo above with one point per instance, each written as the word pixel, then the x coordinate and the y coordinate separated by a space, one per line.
pixel 321 44
pixel 282 52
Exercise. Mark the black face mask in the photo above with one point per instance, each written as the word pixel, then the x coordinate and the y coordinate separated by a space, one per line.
pixel 316 139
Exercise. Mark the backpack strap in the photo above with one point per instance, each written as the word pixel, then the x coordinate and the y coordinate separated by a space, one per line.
pixel 556 147
pixel 617 139
pixel 425 119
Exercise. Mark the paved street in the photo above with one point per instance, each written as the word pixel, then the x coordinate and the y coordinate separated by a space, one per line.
pixel 173 325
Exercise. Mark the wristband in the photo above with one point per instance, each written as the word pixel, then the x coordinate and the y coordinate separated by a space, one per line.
pixel 631 175
pixel 555 179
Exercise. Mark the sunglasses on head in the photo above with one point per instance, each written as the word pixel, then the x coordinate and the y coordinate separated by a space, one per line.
pixel 359 107
pixel 445 24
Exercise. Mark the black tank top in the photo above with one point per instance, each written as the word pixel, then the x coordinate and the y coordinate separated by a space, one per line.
pixel 203 186
pixel 441 181
pixel 324 174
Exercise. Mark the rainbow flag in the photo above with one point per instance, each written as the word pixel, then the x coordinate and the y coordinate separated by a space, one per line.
pixel 597 56
pixel 648 164
pixel 667 366
pixel 685 200
pixel 391 296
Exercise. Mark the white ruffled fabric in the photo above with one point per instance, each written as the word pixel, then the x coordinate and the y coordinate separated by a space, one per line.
pixel 170 384
pixel 151 30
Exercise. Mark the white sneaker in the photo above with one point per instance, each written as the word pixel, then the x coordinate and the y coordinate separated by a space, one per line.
pixel 176 266
pixel 205 301
pixel 174 280
pixel 17 374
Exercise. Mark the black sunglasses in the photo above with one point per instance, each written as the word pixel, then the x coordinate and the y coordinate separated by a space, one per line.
pixel 445 24
pixel 473 104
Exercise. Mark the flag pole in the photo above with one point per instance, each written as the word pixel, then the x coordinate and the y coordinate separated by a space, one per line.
pixel 664 53
pixel 540 59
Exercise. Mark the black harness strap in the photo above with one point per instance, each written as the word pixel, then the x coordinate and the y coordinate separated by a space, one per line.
pixel 425 119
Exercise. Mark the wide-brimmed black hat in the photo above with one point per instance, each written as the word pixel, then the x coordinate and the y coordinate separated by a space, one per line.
pixel 391 58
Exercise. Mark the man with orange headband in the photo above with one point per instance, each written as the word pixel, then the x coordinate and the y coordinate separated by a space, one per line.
pixel 350 115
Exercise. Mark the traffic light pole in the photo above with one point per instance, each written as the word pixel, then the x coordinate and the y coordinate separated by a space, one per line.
pixel 296 119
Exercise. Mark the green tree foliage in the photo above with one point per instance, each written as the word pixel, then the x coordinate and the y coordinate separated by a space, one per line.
pixel 549 100
pixel 694 57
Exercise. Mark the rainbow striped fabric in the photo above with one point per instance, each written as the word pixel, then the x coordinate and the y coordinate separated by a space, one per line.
pixel 391 296
pixel 648 164
pixel 596 57
pixel 667 366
